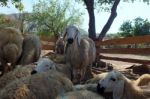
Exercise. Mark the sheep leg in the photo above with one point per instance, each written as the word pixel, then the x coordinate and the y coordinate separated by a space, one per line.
pixel 82 79
pixel 87 74
pixel 71 74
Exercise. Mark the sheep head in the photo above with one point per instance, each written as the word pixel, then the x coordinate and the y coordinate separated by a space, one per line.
pixel 72 34
pixel 43 65
pixel 113 82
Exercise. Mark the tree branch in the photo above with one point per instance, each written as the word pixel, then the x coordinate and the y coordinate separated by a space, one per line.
pixel 110 20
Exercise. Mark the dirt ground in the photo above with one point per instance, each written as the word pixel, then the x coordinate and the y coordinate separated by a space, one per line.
pixel 117 65
pixel 120 65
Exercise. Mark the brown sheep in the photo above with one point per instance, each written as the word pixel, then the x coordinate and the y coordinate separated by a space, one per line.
pixel 80 54
pixel 46 85
pixel 17 73
pixel 10 47
pixel 143 80
pixel 121 87
pixel 59 49
pixel 31 49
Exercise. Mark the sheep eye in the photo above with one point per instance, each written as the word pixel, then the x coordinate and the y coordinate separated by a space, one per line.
pixel 113 79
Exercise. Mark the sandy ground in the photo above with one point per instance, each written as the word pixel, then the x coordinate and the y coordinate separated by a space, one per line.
pixel 120 64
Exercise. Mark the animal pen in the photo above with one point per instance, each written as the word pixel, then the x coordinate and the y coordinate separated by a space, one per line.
pixel 139 45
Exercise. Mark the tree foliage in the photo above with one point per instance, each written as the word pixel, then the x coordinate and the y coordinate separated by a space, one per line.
pixel 16 3
pixel 137 27
pixel 52 16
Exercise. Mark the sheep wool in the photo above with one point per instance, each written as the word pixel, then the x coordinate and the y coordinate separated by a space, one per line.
pixel 10 47
pixel 31 49
pixel 17 73
pixel 46 85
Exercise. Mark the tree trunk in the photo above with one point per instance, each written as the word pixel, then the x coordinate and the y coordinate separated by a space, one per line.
pixel 90 8
pixel 110 20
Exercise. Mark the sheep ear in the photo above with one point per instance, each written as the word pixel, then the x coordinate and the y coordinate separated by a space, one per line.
pixel 118 90
pixel 65 33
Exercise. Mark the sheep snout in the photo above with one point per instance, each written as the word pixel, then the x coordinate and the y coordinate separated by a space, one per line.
pixel 70 40
pixel 33 72
pixel 100 89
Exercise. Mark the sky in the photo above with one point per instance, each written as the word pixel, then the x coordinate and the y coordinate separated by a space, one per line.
pixel 125 11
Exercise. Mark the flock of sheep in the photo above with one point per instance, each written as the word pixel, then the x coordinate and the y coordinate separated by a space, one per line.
pixel 26 75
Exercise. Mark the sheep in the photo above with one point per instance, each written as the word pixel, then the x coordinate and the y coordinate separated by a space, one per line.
pixel 82 94
pixel 45 64
pixel 46 85
pixel 96 78
pixel 143 80
pixel 80 54
pixel 93 88
pixel 10 47
pixel 17 73
pixel 121 87
pixel 59 49
pixel 31 49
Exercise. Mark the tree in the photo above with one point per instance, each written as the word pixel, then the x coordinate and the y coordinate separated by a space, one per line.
pixel 52 16
pixel 126 29
pixel 16 3
pixel 90 5
pixel 137 27
pixel 90 8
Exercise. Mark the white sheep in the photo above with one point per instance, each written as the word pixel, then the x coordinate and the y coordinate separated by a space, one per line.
pixel 31 49
pixel 17 73
pixel 80 54
pixel 82 94
pixel 143 80
pixel 46 85
pixel 121 87
pixel 45 64
pixel 10 47
pixel 91 87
